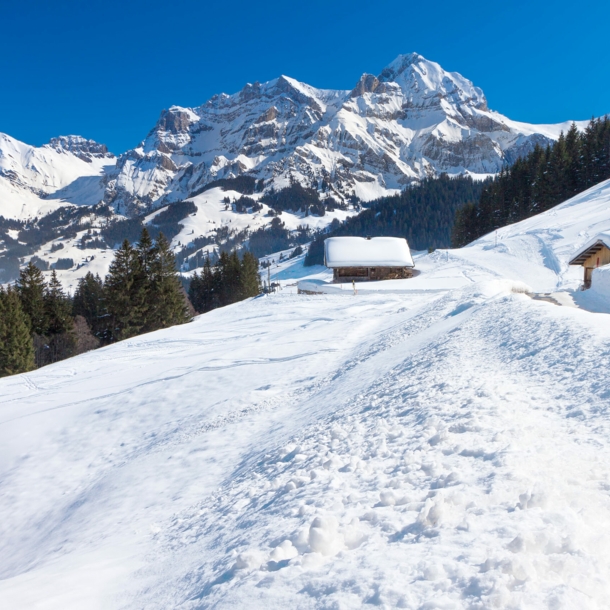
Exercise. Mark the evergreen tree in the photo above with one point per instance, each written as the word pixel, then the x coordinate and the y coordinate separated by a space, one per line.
pixel 89 303
pixel 232 279
pixel 58 308
pixel 59 341
pixel 539 181
pixel 141 294
pixel 118 292
pixel 250 277
pixel 229 281
pixel 203 289
pixel 168 305
pixel 423 214
pixel 16 346
pixel 31 289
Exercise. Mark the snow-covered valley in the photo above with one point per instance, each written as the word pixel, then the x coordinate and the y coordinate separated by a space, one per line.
pixel 441 443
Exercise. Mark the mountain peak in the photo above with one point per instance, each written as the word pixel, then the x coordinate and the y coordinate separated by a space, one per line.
pixel 367 84
pixel 80 147
pixel 422 78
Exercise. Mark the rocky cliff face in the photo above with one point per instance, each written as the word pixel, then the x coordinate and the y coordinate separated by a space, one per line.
pixel 412 120
pixel 85 150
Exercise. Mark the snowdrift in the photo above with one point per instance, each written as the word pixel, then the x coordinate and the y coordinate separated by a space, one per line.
pixel 600 284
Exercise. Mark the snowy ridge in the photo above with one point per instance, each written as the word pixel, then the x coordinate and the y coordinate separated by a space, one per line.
pixel 36 181
pixel 413 120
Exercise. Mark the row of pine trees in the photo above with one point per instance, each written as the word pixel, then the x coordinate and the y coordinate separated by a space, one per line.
pixel 538 181
pixel 423 214
pixel 228 281
pixel 36 323
pixel 142 292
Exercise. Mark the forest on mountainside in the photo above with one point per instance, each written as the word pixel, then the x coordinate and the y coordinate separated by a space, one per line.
pixel 537 182
pixel 41 324
pixel 423 214
pixel 142 292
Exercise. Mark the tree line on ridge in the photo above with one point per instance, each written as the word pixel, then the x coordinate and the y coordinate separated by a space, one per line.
pixel 539 181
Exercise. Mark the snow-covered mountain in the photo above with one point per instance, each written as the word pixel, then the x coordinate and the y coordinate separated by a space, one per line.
pixel 412 120
pixel 37 180
pixel 441 444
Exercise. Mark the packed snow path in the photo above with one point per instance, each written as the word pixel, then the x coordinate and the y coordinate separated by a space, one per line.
pixel 415 451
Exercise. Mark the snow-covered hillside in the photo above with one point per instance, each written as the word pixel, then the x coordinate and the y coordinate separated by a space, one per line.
pixel 36 181
pixel 442 443
pixel 411 121
pixel 535 251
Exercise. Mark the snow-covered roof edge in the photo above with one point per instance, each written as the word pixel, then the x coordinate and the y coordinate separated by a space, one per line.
pixel 367 252
pixel 602 239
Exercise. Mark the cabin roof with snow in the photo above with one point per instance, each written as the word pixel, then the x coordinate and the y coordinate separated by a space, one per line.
pixel 367 252
pixel 590 248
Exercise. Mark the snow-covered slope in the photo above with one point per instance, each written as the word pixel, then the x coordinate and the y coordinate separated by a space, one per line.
pixel 537 250
pixel 36 181
pixel 413 120
pixel 309 452
pixel 439 444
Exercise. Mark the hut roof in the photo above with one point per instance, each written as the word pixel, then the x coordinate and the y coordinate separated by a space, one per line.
pixel 590 248
pixel 367 252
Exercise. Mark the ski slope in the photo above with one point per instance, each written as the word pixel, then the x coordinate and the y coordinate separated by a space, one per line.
pixel 443 443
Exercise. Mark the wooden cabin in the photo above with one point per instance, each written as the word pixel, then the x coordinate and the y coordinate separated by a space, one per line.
pixel 594 254
pixel 367 259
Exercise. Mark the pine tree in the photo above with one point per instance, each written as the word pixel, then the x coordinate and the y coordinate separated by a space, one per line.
pixel 118 290
pixel 16 346
pixel 31 288
pixel 541 180
pixel 58 308
pixel 89 303
pixel 250 277
pixel 141 294
pixel 232 281
pixel 59 340
pixel 168 305
pixel 204 288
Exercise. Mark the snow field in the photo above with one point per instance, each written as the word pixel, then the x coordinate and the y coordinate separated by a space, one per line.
pixel 401 450
pixel 472 474
pixel 211 215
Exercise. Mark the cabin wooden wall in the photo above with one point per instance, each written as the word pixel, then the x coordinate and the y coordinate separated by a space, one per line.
pixel 603 256
pixel 599 259
pixel 371 274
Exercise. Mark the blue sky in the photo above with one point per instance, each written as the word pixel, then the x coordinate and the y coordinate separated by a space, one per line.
pixel 105 69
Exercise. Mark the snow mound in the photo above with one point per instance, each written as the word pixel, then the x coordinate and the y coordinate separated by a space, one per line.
pixel 600 282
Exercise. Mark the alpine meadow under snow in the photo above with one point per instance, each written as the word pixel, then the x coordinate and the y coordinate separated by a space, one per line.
pixel 437 442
